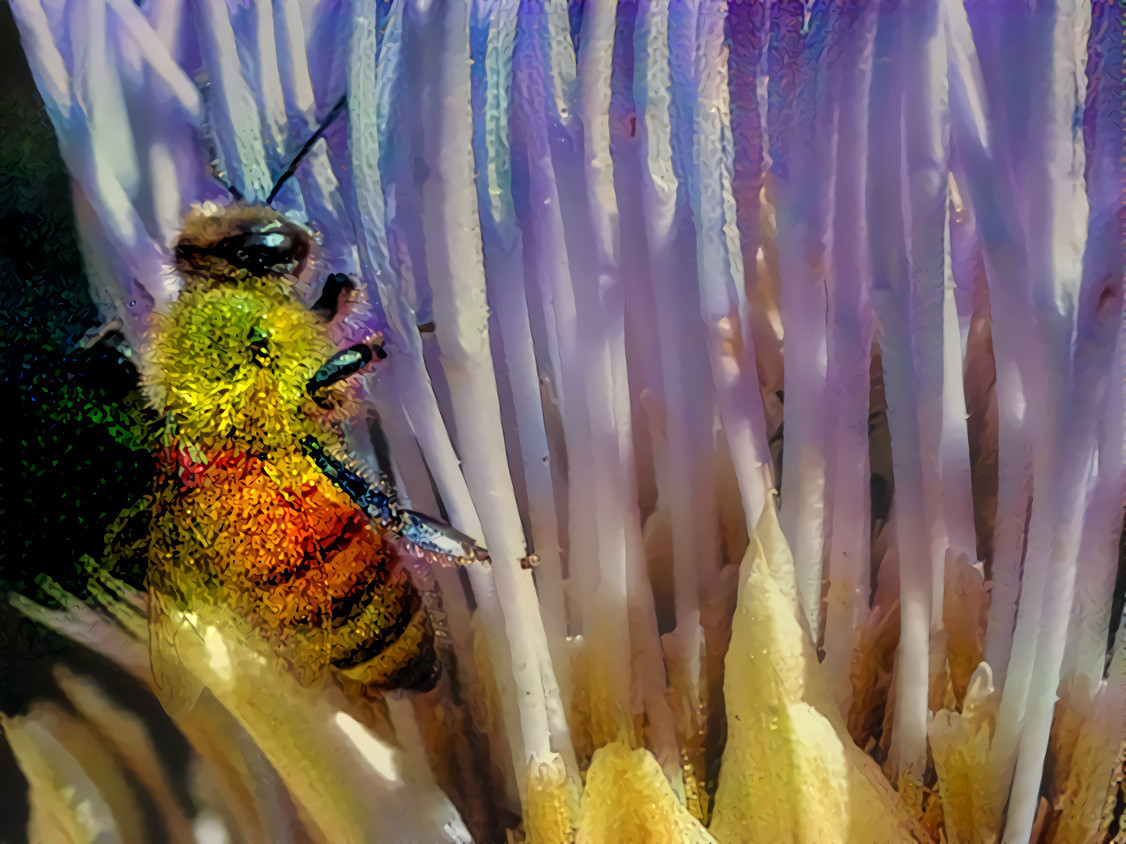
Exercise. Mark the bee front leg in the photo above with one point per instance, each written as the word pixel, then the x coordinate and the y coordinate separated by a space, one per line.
pixel 431 537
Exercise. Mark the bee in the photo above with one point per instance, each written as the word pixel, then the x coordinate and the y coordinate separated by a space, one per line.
pixel 256 499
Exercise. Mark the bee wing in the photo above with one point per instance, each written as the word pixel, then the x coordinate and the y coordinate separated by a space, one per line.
pixel 126 544
pixel 178 688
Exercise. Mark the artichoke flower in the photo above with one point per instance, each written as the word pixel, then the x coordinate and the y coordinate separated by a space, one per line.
pixel 774 351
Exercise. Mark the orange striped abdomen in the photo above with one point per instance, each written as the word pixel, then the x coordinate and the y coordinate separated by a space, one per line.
pixel 286 544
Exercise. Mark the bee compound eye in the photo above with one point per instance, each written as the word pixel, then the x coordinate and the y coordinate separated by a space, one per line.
pixel 262 251
pixel 270 240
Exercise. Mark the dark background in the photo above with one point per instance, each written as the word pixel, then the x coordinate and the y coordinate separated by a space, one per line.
pixel 67 463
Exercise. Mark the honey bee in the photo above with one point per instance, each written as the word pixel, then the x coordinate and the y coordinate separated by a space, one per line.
pixel 256 500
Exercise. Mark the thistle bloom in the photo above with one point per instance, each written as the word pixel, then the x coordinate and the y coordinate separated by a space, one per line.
pixel 653 237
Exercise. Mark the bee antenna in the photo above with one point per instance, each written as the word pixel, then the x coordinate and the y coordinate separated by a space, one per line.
pixel 231 189
pixel 316 136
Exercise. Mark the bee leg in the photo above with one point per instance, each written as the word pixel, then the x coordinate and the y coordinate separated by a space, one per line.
pixel 382 450
pixel 429 536
pixel 381 508
pixel 437 539
pixel 342 365
pixel 334 294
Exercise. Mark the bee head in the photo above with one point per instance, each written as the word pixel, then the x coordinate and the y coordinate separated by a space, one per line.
pixel 236 241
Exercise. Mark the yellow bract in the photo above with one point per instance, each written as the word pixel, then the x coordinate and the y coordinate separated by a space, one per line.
pixel 790 773
pixel 790 770
pixel 552 804
pixel 628 801
pixel 960 743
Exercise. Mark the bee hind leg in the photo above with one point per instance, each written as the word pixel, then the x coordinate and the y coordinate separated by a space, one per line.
pixel 431 538
pixel 435 539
